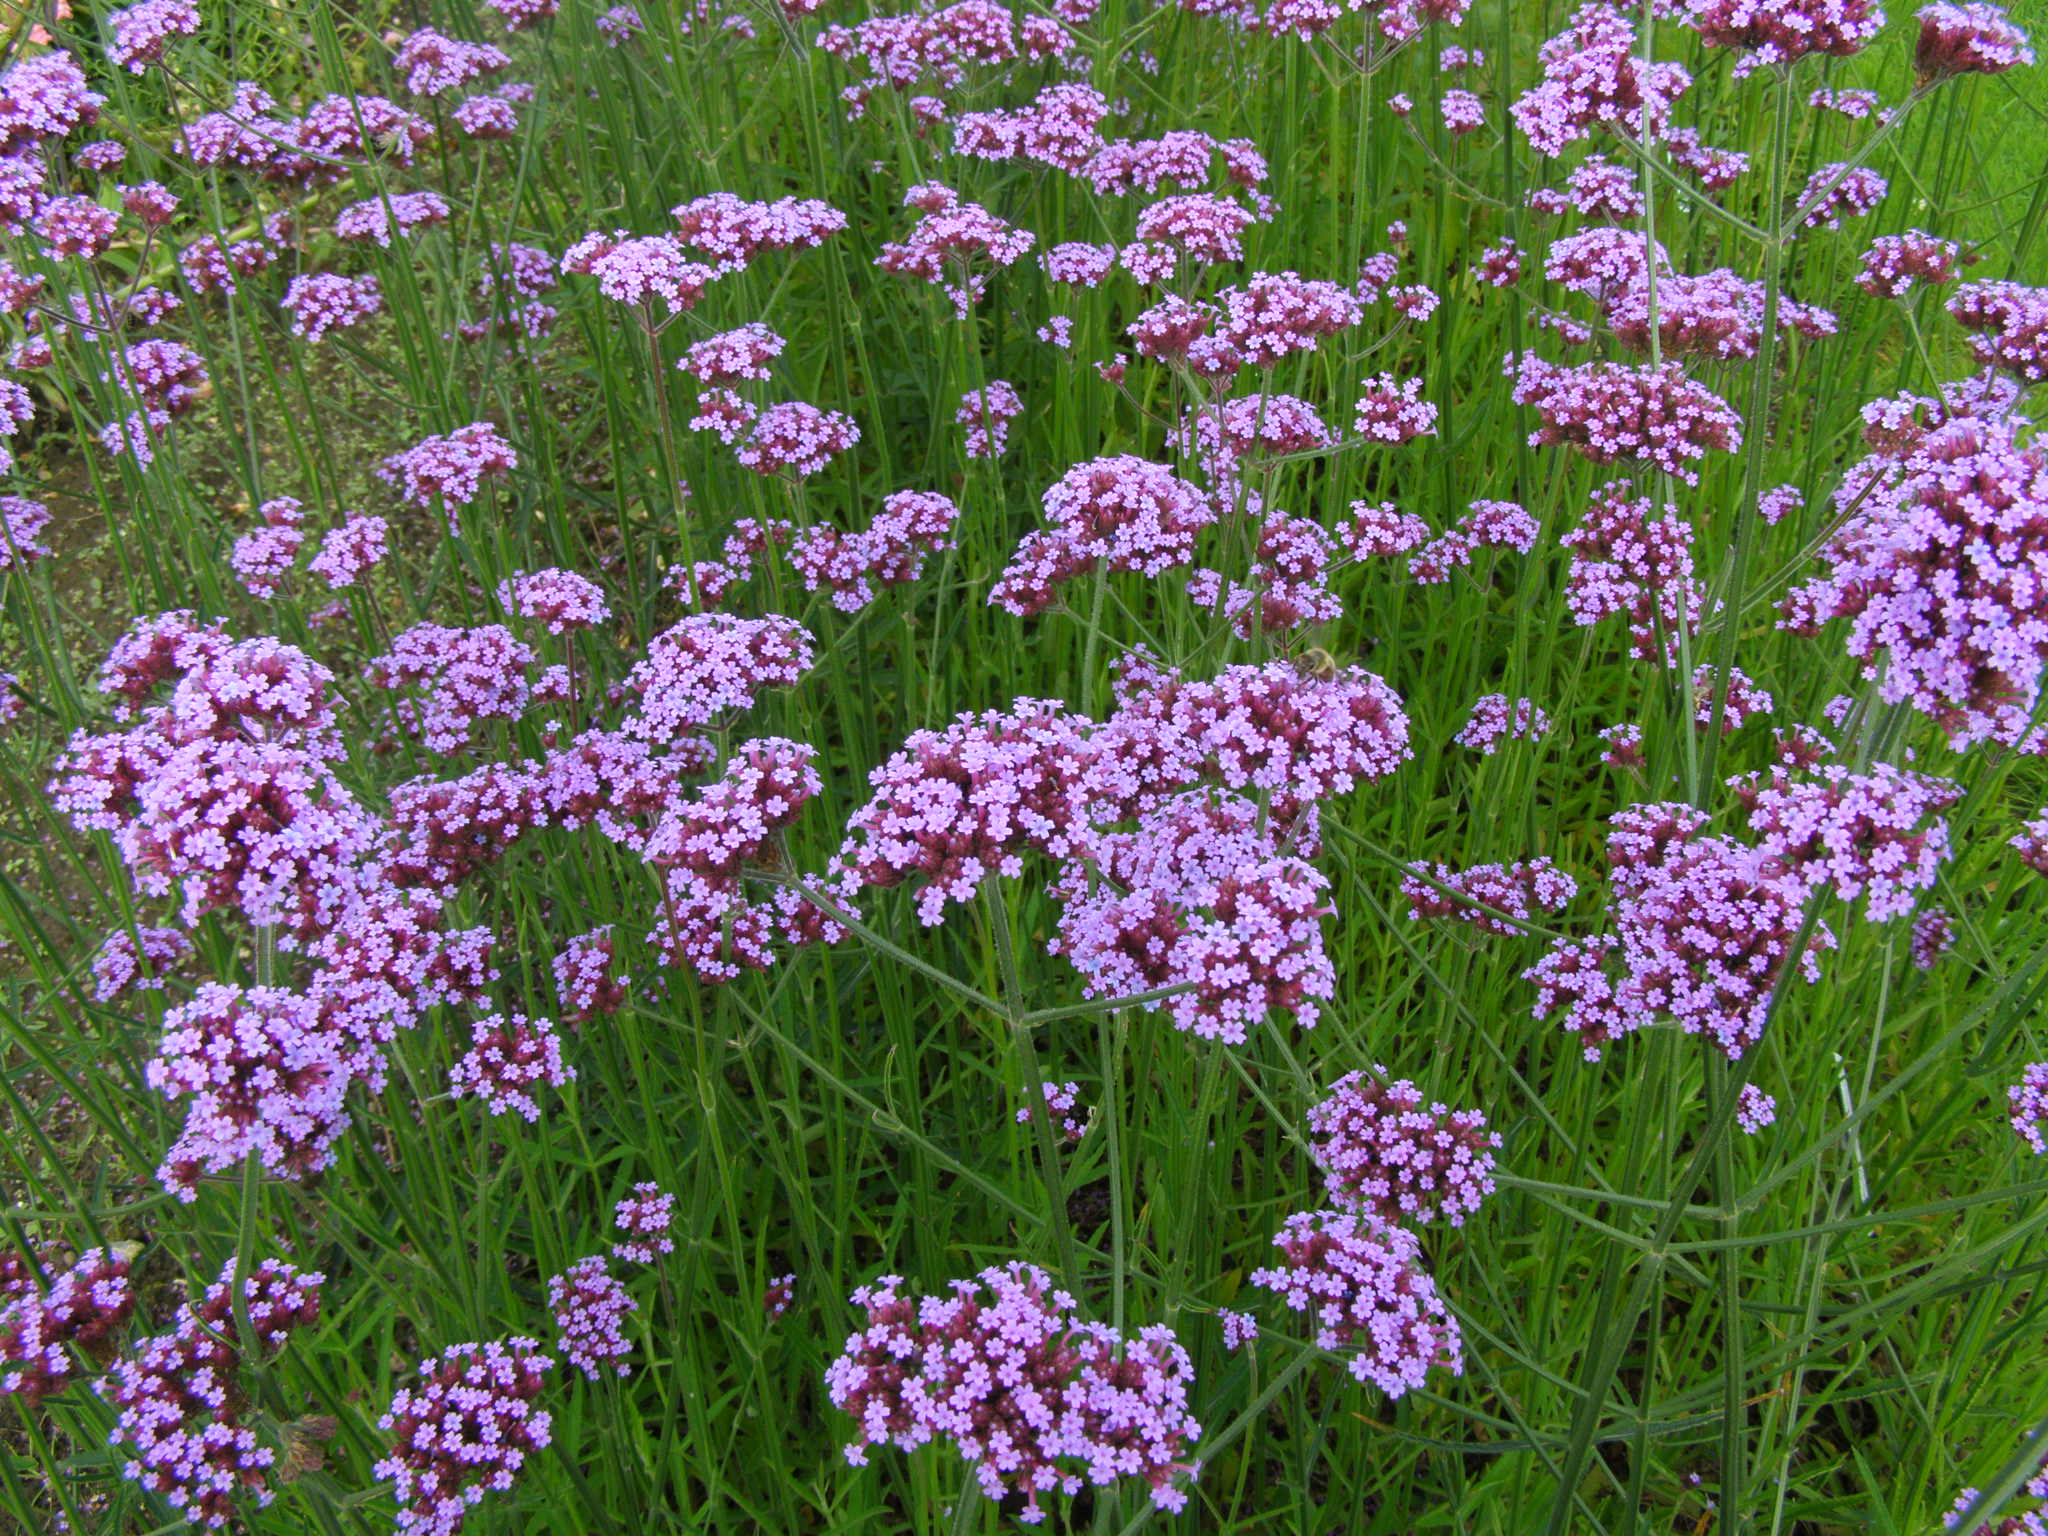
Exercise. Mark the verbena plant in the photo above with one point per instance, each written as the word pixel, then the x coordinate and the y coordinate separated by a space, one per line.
pixel 1269 768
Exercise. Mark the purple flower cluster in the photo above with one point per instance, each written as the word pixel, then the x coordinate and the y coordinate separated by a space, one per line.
pixel 708 665
pixel 84 1307
pixel 556 599
pixel 1493 721
pixel 987 413
pixel 1120 513
pixel 950 244
pixel 453 467
pixel 463 677
pixel 1937 566
pixel 1877 834
pixel 731 231
pixel 1062 1107
pixel 646 1217
pixel 1781 32
pixel 434 64
pixel 1591 80
pixel 1476 895
pixel 179 1397
pixel 590 1309
pixel 265 1071
pixel 2009 326
pixel 402 213
pixel 464 1430
pixel 1033 1398
pixel 508 1057
pixel 1626 562
pixel 1968 39
pixel 320 302
pixel 1609 411
pixel 704 845
pixel 1387 1154
pixel 1704 930
pixel 1364 1288
pixel 891 551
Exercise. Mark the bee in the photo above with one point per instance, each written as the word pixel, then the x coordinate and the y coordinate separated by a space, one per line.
pixel 1323 666
pixel 1317 663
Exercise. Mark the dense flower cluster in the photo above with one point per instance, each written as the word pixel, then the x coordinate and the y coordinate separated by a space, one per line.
pixel 1626 562
pixel 1363 1287
pixel 1120 513
pixel 453 467
pixel 646 1217
pixel 1609 411
pixel 179 1398
pixel 987 413
pixel 1592 80
pixel 509 1056
pixel 319 302
pixel 1388 1154
pixel 1036 1400
pixel 1705 930
pixel 889 552
pixel 1877 834
pixel 84 1307
pixel 465 1429
pixel 1477 895
pixel 590 1308
pixel 1937 568
pixel 1494 720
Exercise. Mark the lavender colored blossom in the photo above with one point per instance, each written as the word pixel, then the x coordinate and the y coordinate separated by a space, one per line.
pixel 141 32
pixel 1493 721
pixel 320 302
pixel 732 355
pixel 987 413
pixel 1754 1110
pixel 1933 936
pixel 1781 32
pixel 558 600
pixel 2009 325
pixel 1877 834
pixel 452 467
pixel 1520 890
pixel 1839 191
pixel 1036 1400
pixel 264 1074
pixel 1121 513
pixel 1393 411
pixel 590 1309
pixel 647 1217
pixel 465 1429
pixel 509 1056
pixel 1591 81
pixel 1387 1154
pixel 641 270
pixel 1239 1329
pixel 463 677
pixel 1935 569
pixel 351 550
pixel 434 64
pixel 83 1307
pixel 402 213
pixel 1704 927
pixel 1061 1102
pixel 709 665
pixel 1365 1290
pixel 1968 39
pixel 1607 411
pixel 179 1397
